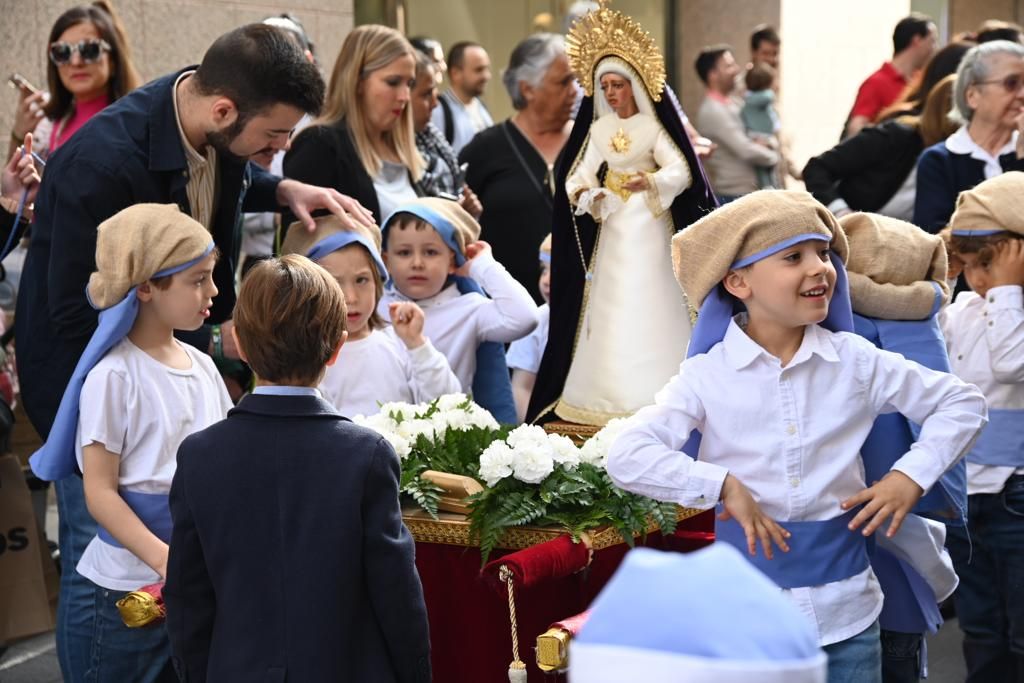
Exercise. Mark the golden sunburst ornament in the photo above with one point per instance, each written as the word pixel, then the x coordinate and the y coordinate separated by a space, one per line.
pixel 621 142
pixel 605 32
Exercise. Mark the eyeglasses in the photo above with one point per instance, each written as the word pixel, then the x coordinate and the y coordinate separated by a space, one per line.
pixel 1011 83
pixel 89 50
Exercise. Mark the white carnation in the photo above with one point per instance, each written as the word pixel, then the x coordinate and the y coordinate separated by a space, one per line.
pixel 528 436
pixel 401 445
pixel 411 429
pixel 564 451
pixel 405 411
pixel 478 417
pixel 532 465
pixel 451 401
pixel 496 462
pixel 595 450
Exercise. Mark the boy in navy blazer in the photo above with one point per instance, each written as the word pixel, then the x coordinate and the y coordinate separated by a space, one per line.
pixel 289 559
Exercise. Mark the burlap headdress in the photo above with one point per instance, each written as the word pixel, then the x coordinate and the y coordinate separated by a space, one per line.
pixel 994 206
pixel 137 244
pixel 896 270
pixel 455 226
pixel 330 235
pixel 738 235
pixel 142 242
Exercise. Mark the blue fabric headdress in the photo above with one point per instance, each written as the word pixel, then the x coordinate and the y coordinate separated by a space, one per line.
pixel 141 243
pixel 704 616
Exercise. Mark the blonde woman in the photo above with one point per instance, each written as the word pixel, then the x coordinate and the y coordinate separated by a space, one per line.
pixel 363 144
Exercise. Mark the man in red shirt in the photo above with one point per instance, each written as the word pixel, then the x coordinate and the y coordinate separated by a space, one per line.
pixel 913 44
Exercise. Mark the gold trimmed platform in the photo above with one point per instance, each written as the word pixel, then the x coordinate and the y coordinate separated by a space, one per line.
pixel 453 529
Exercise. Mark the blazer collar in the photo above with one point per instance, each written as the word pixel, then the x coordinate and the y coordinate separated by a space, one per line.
pixel 165 149
pixel 286 406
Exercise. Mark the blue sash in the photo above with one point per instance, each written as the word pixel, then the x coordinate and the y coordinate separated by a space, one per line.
pixel 152 508
pixel 819 552
pixel 1002 440
pixel 492 384
pixel 892 436
pixel 910 605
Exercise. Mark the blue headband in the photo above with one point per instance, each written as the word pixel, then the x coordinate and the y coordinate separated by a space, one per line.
pixel 545 257
pixel 717 310
pixel 56 459
pixel 440 224
pixel 340 240
pixel 967 232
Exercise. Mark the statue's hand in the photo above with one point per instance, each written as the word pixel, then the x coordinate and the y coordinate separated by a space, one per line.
pixel 638 183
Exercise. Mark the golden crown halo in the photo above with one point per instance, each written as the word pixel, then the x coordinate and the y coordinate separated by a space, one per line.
pixel 605 32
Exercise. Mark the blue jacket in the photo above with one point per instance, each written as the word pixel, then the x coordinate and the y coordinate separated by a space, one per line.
pixel 289 559
pixel 131 152
pixel 941 176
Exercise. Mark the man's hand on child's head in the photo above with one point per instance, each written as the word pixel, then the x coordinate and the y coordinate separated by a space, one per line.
pixel 473 251
pixel 1007 265
pixel 407 319
pixel 742 507
pixel 894 496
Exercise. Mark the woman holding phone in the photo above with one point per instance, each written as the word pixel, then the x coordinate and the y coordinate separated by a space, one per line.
pixel 88 67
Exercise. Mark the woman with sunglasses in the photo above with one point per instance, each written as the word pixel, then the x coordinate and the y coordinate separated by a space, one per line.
pixel 88 67
pixel 988 101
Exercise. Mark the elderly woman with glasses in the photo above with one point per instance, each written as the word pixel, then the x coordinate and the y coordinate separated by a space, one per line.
pixel 89 66
pixel 988 101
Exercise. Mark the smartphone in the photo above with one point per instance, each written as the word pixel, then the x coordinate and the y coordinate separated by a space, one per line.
pixel 18 81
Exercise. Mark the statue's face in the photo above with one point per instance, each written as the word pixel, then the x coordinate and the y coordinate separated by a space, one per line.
pixel 618 91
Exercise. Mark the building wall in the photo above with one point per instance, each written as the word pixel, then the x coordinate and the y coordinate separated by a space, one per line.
pixel 966 15
pixel 708 22
pixel 499 26
pixel 165 35
pixel 839 45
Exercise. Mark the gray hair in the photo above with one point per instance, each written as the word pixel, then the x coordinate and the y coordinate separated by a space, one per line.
pixel 530 60
pixel 974 68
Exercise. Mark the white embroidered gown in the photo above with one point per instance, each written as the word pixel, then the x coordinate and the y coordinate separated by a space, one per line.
pixel 635 324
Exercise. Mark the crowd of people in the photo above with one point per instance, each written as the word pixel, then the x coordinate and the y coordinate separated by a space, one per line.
pixel 233 259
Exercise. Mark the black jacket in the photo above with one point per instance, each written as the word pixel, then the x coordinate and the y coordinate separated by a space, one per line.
pixel 942 175
pixel 129 153
pixel 289 559
pixel 326 156
pixel 867 169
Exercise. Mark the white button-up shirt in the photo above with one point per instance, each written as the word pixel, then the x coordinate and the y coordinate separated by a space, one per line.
pixel 985 339
pixel 792 435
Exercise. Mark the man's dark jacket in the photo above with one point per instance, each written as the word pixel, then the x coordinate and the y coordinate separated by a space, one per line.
pixel 289 559
pixel 129 153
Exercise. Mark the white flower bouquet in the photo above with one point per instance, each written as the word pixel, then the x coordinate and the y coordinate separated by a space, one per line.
pixel 530 476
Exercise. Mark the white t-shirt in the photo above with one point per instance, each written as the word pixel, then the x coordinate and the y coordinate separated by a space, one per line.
pixel 380 369
pixel 142 410
pixel 525 353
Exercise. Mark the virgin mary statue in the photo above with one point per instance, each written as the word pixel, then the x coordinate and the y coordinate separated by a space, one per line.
pixel 628 179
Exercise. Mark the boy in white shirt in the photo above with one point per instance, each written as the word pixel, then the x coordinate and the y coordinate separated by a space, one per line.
pixel 379 363
pixel 433 254
pixel 136 394
pixel 984 332
pixel 524 354
pixel 784 397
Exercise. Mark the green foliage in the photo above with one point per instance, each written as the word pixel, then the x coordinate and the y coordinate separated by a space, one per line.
pixel 577 500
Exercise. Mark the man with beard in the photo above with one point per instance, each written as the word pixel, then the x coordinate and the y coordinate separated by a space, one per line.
pixel 182 139
pixel 462 114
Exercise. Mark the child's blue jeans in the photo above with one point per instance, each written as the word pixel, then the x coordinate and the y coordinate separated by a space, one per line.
pixel 857 659
pixel 119 654
pixel 990 598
